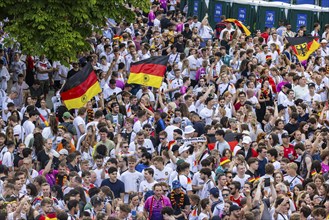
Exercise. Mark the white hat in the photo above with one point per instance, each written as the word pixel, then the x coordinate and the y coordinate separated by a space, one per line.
pixel 324 41
pixel 183 148
pixel 63 151
pixel 246 140
pixel 245 132
pixel 189 129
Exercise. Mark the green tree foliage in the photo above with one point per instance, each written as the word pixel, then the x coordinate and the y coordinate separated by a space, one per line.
pixel 60 28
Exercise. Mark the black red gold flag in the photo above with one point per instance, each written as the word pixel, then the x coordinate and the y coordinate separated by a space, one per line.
pixel 239 25
pixel 80 88
pixel 303 47
pixel 148 72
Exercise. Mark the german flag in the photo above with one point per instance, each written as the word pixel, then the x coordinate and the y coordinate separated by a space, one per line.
pixel 303 47
pixel 239 25
pixel 80 88
pixel 148 72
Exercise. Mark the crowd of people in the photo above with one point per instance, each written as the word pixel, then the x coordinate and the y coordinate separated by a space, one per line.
pixel 238 129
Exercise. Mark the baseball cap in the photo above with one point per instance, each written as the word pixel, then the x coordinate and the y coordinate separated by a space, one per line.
pixel 214 191
pixel 183 148
pixel 285 135
pixel 281 107
pixel 63 151
pixel 311 85
pixel 176 184
pixel 246 140
pixel 288 85
pixel 177 120
pixel 67 115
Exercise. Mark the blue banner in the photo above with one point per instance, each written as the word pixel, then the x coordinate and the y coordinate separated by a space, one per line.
pixel 242 14
pixel 217 12
pixel 269 19
pixel 196 7
pixel 301 20
pixel 325 3
pixel 311 2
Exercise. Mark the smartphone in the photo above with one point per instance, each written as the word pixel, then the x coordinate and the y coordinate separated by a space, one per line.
pixel 267 182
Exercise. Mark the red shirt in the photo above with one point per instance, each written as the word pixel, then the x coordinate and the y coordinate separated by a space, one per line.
pixel 289 150
pixel 237 201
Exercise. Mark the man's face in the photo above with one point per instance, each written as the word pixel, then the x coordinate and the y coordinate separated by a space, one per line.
pixel 103 135
pixel 113 176
pixel 222 181
pixel 47 208
pixel 62 170
pixel 140 139
pixel 158 191
pixel 46 190
pixel 99 162
pixel 49 144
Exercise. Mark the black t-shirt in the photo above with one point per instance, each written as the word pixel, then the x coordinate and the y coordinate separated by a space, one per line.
pixel 43 158
pixel 71 73
pixel 180 47
pixel 117 187
pixel 17 158
pixel 178 210
pixel 164 22
pixel 291 128
pixel 187 34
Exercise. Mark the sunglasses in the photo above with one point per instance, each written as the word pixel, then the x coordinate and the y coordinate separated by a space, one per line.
pixel 225 195
pixel 125 146
pixel 161 138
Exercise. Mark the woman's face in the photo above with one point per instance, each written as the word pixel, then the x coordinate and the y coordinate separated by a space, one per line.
pixel 278 178
pixel 318 182
pixel 135 200
pixel 296 190
pixel 26 207
pixel 305 127
pixel 228 154
pixel 309 190
pixel 307 199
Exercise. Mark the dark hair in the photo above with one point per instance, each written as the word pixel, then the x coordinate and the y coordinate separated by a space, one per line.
pixel 72 204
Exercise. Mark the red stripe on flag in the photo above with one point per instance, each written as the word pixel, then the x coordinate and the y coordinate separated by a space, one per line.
pixel 149 68
pixel 81 89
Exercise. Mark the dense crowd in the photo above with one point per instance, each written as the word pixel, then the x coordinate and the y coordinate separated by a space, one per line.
pixel 238 129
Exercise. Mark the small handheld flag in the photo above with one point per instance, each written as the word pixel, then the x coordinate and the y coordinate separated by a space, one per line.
pixel 80 88
pixel 148 72
pixel 303 47
pixel 239 25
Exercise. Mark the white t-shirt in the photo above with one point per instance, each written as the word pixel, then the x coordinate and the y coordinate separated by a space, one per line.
pixel 206 114
pixel 8 159
pixel 28 127
pixel 170 131
pixel 162 176
pixel 241 180
pixel 132 182
pixel 197 181
pixel 185 181
pixel 147 144
pixel 146 186
pixel 108 91
pixel 206 188
pixel 78 121
pixel 19 131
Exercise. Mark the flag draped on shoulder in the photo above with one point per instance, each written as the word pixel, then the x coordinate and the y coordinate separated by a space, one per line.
pixel 303 47
pixel 80 88
pixel 148 72
pixel 239 25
